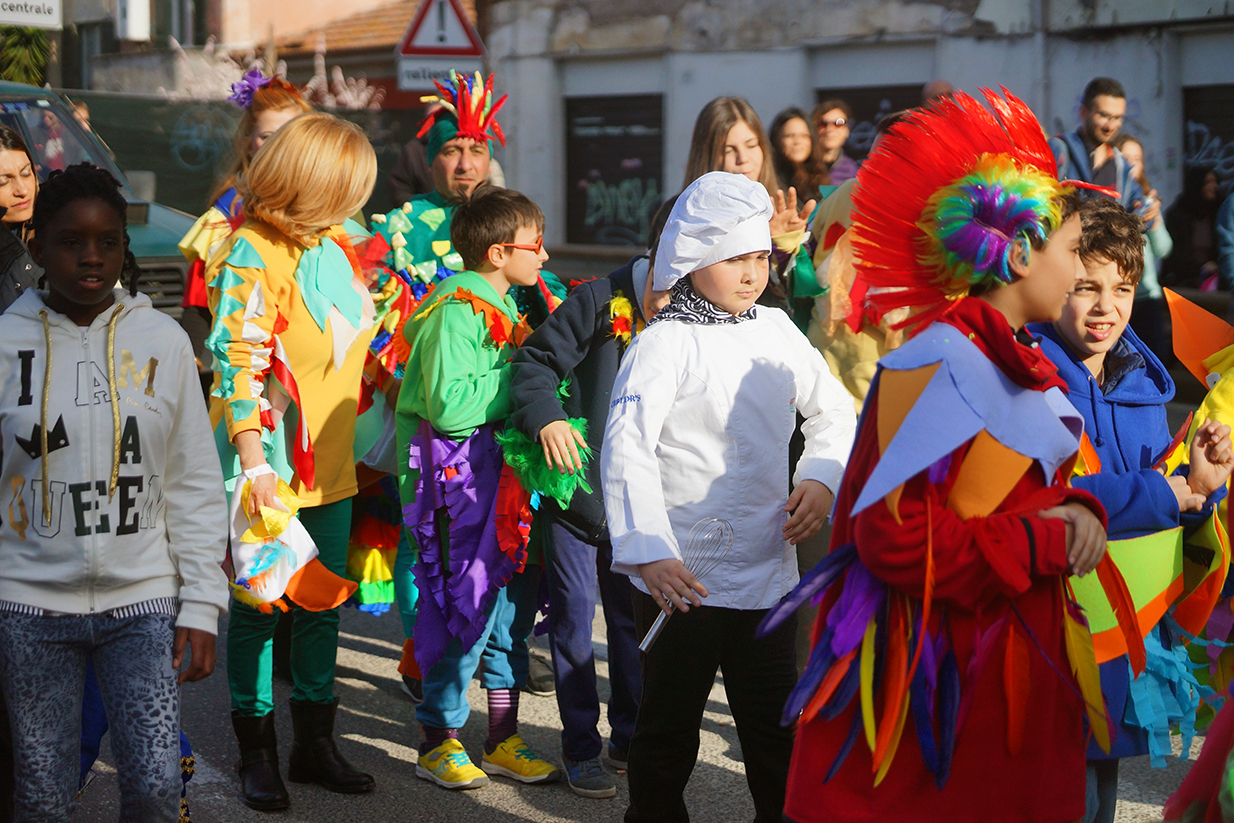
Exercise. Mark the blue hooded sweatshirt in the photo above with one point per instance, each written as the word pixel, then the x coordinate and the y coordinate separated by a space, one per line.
pixel 1125 419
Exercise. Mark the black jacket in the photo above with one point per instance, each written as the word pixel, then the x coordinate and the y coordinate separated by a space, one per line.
pixel 18 271
pixel 574 343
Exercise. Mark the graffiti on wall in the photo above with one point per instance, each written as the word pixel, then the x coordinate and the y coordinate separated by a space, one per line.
pixel 614 160
pixel 1208 130
pixel 1204 149
pixel 620 213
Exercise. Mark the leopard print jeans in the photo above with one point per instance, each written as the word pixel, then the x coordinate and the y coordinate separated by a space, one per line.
pixel 42 674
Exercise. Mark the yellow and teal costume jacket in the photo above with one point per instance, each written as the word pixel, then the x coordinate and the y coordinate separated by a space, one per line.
pixel 292 325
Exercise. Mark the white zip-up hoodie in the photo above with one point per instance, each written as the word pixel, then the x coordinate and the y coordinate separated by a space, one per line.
pixel 699 427
pixel 125 502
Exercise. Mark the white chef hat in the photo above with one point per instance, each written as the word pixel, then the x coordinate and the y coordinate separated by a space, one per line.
pixel 720 215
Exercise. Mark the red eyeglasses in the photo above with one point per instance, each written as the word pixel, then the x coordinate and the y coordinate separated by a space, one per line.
pixel 537 248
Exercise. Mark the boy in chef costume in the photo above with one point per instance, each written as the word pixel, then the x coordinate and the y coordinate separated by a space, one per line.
pixel 703 408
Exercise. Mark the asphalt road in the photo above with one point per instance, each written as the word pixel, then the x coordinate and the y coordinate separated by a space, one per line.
pixel 377 732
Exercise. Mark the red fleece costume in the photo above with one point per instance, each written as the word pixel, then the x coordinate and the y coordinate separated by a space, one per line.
pixel 1044 782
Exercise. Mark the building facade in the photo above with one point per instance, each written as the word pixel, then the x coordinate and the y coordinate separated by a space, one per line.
pixel 604 93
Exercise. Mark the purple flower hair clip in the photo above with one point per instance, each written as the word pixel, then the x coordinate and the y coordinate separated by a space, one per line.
pixel 243 90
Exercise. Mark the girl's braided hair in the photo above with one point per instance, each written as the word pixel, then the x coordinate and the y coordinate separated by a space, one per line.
pixel 85 181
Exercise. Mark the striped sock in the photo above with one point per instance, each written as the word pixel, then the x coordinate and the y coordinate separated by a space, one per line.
pixel 502 717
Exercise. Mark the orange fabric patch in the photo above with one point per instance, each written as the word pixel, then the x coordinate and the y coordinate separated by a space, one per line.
pixel 1198 334
pixel 898 391
pixel 317 589
pixel 988 474
pixel 1111 643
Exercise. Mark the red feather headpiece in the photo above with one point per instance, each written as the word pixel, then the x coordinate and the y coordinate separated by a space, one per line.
pixel 470 100
pixel 901 240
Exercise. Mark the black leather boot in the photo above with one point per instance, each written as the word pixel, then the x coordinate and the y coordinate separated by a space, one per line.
pixel 260 784
pixel 314 756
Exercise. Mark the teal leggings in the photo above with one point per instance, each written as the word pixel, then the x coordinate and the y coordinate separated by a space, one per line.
pixel 406 593
pixel 314 635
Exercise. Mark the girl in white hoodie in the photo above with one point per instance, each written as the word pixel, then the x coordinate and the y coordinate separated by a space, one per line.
pixel 113 519
pixel 702 411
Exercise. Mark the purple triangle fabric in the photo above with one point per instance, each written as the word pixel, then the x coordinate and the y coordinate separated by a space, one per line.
pixel 968 393
pixel 455 591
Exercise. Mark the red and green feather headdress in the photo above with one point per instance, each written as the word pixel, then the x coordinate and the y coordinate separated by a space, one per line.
pixel 470 99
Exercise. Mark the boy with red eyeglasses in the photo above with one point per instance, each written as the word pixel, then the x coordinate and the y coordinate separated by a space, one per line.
pixel 462 512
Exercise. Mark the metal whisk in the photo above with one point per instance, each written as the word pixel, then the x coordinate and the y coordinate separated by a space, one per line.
pixel 710 542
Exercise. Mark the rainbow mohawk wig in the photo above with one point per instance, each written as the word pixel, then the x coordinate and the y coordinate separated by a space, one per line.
pixel 944 197
pixel 470 100
pixel 972 223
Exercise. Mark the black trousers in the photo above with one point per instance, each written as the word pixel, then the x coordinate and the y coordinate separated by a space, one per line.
pixel 678 674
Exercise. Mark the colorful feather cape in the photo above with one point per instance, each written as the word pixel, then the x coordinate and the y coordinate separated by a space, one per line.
pixel 463 483
pixel 890 655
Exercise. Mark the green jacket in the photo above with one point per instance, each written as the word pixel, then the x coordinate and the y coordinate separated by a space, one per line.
pixel 457 378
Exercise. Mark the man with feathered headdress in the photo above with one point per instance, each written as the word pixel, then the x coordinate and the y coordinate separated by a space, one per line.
pixel 951 668
pixel 411 253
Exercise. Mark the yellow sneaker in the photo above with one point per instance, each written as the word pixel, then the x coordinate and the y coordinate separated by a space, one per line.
pixel 514 758
pixel 449 767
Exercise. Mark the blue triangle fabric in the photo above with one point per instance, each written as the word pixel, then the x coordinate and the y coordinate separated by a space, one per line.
pixel 244 256
pixel 227 305
pixel 968 393
pixel 324 276
pixel 227 278
pixel 242 408
pixel 354 229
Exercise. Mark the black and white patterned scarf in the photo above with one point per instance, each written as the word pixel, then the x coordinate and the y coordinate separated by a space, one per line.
pixel 688 306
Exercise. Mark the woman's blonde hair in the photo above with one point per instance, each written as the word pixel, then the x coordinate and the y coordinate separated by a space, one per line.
pixel 276 95
pixel 314 173
pixel 711 131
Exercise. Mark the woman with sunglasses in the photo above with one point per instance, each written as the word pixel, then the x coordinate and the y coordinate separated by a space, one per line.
pixel 833 120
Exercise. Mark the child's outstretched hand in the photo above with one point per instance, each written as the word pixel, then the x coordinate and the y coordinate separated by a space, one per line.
pixel 1212 458
pixel 1188 501
pixel 1086 539
pixel 561 443
pixel 810 503
pixel 203 655
pixel 671 585
pixel 786 217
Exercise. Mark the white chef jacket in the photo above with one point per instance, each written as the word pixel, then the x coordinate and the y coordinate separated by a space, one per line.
pixel 699 427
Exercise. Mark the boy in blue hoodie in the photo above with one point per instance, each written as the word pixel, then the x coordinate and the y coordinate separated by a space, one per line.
pixel 1120 388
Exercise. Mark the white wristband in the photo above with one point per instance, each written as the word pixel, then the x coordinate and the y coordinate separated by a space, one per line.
pixel 258 471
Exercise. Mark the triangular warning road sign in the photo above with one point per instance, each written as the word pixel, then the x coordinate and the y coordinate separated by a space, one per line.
pixel 440 27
